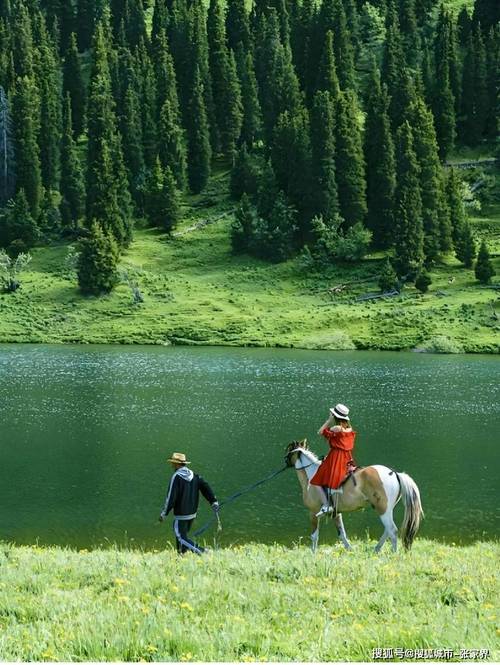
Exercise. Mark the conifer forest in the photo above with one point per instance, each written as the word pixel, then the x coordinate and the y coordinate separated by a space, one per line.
pixel 316 134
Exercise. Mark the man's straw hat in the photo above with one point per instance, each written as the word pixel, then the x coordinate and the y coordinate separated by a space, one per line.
pixel 178 458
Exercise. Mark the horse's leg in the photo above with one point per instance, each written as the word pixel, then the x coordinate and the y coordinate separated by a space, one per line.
pixel 341 531
pixel 390 531
pixel 314 531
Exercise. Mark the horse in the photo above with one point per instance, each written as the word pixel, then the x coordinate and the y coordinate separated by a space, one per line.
pixel 375 485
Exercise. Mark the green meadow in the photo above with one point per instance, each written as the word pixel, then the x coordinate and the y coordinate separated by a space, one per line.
pixel 247 603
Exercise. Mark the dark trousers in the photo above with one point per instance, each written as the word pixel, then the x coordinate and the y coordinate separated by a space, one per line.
pixel 185 544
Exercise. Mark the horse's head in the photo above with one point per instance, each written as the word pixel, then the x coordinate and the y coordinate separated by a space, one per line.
pixel 293 450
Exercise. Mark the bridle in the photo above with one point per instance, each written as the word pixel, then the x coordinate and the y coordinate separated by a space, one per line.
pixel 297 468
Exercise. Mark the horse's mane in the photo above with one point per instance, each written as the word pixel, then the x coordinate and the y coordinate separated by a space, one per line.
pixel 310 455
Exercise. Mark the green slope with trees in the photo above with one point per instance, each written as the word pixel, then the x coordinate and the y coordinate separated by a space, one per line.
pixel 334 122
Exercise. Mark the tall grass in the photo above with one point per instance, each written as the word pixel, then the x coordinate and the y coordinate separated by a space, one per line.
pixel 247 603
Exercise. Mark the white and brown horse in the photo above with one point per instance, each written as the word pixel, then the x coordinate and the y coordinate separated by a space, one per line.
pixel 376 486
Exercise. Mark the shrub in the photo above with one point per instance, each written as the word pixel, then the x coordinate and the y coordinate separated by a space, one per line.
pixel 388 280
pixel 423 281
pixel 441 344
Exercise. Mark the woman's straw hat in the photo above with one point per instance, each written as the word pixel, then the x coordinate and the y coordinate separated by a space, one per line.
pixel 340 411
pixel 178 458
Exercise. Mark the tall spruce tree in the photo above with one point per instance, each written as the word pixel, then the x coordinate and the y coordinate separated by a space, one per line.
pixel 443 101
pixel 162 198
pixel 133 155
pixel 251 125
pixel 291 160
pixel 108 196
pixel 484 270
pixel 394 69
pixel 426 152
pixel 475 89
pixel 85 20
pixel 349 161
pixel 324 184
pixel 7 154
pixel 225 85
pixel 171 144
pixel 18 223
pixel 327 72
pixel 380 164
pixel 408 227
pixel 48 79
pixel 28 170
pixel 98 262
pixel 74 84
pixel 238 25
pixel 198 137
pixel 72 185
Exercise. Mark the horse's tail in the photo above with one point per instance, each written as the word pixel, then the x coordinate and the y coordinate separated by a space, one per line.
pixel 413 509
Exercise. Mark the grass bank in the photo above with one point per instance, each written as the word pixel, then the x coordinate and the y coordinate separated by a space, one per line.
pixel 248 603
pixel 196 292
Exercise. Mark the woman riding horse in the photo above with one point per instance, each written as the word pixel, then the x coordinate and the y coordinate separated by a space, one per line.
pixel 341 440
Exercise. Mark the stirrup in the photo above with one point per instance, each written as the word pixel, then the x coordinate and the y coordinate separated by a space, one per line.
pixel 325 510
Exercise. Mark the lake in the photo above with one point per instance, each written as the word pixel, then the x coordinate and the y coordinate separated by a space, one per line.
pixel 86 431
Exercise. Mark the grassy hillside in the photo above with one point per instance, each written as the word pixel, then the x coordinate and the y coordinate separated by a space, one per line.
pixel 196 292
pixel 249 603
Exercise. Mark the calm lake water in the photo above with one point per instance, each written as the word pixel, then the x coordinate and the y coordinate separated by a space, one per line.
pixel 85 432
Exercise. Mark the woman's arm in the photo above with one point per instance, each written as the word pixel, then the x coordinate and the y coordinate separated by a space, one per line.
pixel 326 425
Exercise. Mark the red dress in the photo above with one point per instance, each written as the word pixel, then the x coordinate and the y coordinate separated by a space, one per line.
pixel 333 469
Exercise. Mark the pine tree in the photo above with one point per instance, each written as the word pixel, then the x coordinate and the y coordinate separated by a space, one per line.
pixel 72 185
pixel 108 196
pixel 242 228
pixel 492 126
pixel 243 175
pixel 225 85
pixel 465 246
pixel 7 156
pixel 135 23
pixel 409 31
pixel 171 146
pixel 344 53
pixel 484 270
pixel 237 25
pixel 443 103
pixel 198 138
pixel 426 152
pixel 166 80
pixel 133 155
pixel 327 72
pixel 486 13
pixel 380 164
pixel 251 126
pixel 349 161
pixel 162 199
pixel 85 21
pixel 48 80
pixel 409 236
pixel 291 160
pixel 475 89
pixel 22 49
pixel 458 217
pixel 26 148
pixel 393 70
pixel 74 84
pixel 324 184
pixel 388 280
pixel 19 223
pixel 98 262
pixel 273 238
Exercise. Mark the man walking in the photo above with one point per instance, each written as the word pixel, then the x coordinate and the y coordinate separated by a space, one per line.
pixel 183 496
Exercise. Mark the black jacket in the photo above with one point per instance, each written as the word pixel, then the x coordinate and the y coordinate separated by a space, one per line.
pixel 183 494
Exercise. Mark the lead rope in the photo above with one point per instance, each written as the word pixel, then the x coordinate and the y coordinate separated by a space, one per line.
pixel 232 498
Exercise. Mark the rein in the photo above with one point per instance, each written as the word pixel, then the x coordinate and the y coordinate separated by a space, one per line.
pixel 235 496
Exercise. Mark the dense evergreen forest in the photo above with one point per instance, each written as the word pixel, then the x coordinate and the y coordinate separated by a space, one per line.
pixel 336 119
